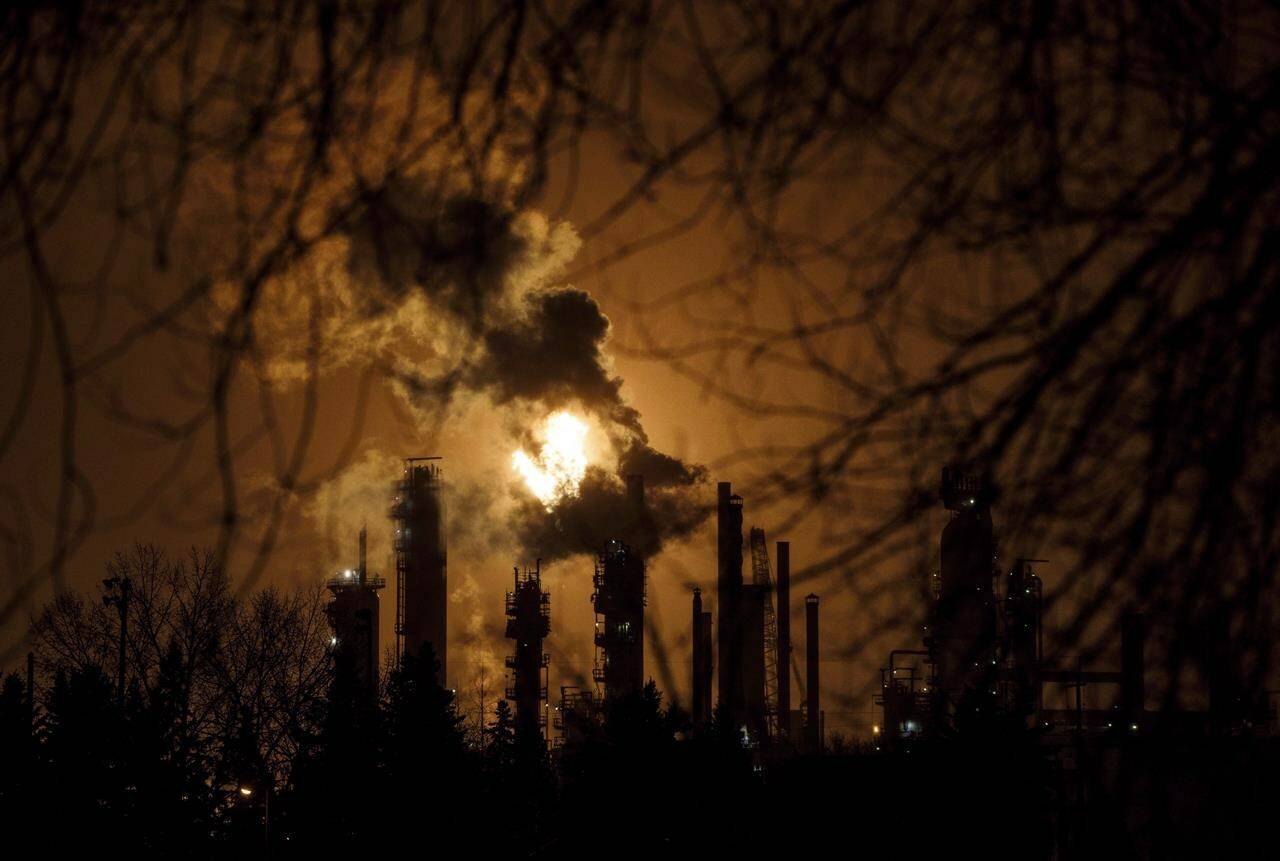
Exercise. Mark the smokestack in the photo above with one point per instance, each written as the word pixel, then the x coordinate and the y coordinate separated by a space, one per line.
pixel 701 694
pixel 364 547
pixel 729 600
pixel 784 638
pixel 695 653
pixel 755 705
pixel 422 588
pixel 1133 637
pixel 813 714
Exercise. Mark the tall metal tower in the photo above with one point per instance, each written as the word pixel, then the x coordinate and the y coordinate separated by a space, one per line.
pixel 528 622
pixel 964 629
pixel 421 561
pixel 729 601
pixel 700 697
pixel 353 616
pixel 763 579
pixel 619 601
pixel 785 655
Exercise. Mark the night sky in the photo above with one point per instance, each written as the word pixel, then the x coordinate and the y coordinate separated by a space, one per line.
pixel 817 254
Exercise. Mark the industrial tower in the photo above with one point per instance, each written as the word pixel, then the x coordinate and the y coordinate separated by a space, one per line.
pixel 619 600
pixel 421 561
pixel 701 640
pixel 729 601
pixel 963 640
pixel 528 622
pixel 785 656
pixel 762 580
pixel 353 616
pixel 983 652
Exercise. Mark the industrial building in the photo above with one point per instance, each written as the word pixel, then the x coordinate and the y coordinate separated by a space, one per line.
pixel 984 655
pixel 528 623
pixel 753 638
pixel 619 600
pixel 422 592
pixel 353 617
pixel 577 715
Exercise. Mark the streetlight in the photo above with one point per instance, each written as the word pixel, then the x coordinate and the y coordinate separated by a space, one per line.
pixel 246 791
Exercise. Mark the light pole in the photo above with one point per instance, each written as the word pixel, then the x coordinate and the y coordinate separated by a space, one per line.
pixel 118 591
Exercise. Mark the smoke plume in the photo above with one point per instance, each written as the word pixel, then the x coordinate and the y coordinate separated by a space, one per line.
pixel 534 347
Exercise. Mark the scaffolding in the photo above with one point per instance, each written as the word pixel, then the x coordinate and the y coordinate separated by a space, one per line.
pixel 576 716
pixel 619 600
pixel 762 575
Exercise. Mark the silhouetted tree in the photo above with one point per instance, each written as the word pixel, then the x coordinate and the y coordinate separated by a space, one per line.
pixel 174 802
pixel 21 784
pixel 86 746
pixel 429 769
pixel 500 739
pixel 337 774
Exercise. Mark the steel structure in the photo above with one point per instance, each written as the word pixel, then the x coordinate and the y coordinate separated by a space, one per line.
pixel 700 699
pixel 419 515
pixel 619 601
pixel 528 610
pixel 785 656
pixel 576 716
pixel 762 576
pixel 353 616
pixel 729 601
pixel 813 704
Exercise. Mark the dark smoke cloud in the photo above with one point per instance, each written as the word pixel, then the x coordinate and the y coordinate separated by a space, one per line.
pixel 659 470
pixel 602 510
pixel 534 347
pixel 457 250
pixel 553 355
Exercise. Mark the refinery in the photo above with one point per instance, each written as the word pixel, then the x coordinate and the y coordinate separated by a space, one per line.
pixel 980 653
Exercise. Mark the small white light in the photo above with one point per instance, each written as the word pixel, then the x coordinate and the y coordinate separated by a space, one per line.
pixel 333 641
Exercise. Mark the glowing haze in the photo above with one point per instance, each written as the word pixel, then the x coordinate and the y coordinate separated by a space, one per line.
pixel 558 469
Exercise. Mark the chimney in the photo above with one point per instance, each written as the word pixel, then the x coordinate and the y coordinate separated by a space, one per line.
pixel 784 638
pixel 701 641
pixel 364 543
pixel 813 714
pixel 729 600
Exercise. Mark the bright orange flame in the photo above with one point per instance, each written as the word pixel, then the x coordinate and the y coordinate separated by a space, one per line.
pixel 559 466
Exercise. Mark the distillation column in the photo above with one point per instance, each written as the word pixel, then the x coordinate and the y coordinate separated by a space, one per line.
pixel 528 623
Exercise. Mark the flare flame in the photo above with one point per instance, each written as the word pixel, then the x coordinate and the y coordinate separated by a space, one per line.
pixel 560 464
